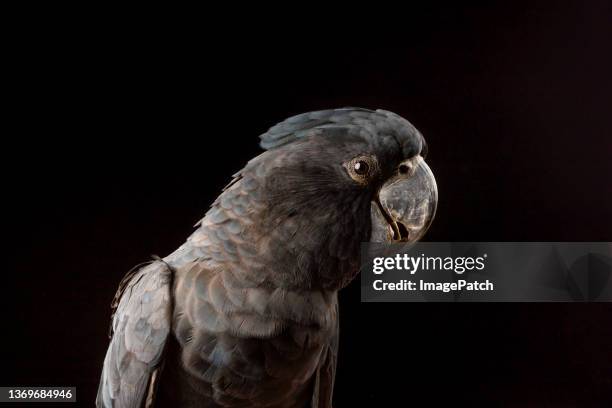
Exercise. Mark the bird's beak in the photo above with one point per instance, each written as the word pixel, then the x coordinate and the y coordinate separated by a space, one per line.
pixel 406 204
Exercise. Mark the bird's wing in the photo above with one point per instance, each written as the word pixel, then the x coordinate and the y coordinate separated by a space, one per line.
pixel 326 373
pixel 140 325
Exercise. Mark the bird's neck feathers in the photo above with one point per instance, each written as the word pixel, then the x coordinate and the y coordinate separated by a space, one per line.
pixel 313 245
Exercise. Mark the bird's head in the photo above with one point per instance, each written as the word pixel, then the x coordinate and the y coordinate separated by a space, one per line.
pixel 350 162
pixel 332 179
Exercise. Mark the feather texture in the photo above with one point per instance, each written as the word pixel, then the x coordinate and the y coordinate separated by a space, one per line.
pixel 140 327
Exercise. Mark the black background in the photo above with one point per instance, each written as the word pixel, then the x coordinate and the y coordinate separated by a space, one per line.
pixel 121 134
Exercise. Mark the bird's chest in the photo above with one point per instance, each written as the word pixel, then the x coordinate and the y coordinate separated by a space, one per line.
pixel 243 354
pixel 235 371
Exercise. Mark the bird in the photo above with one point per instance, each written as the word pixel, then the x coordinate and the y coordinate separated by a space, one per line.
pixel 245 312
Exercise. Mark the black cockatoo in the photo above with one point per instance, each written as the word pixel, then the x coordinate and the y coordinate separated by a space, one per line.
pixel 245 312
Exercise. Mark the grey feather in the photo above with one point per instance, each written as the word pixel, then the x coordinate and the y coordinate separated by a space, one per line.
pixel 140 326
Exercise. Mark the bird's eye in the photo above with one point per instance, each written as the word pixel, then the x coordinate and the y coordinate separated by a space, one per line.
pixel 361 168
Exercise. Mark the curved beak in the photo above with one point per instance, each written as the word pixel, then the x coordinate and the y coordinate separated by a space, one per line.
pixel 406 204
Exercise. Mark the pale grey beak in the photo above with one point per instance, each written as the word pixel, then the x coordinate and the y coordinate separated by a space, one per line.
pixel 406 204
